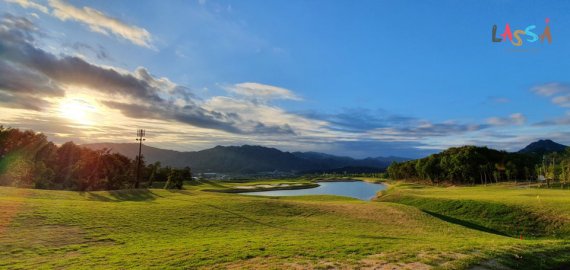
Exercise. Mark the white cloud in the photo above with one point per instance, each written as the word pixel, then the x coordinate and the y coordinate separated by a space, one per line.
pixel 562 101
pixel 513 119
pixel 550 89
pixel 252 113
pixel 558 93
pixel 99 22
pixel 262 91
pixel 96 20
pixel 29 4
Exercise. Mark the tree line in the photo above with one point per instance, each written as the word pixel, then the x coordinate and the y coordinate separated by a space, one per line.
pixel 555 167
pixel 28 159
pixel 482 165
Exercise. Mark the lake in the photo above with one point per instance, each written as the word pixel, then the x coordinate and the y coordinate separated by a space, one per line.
pixel 355 189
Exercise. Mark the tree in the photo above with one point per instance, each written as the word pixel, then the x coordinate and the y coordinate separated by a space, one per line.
pixel 186 173
pixel 511 171
pixel 469 165
pixel 564 172
pixel 28 159
pixel 153 168
pixel 175 180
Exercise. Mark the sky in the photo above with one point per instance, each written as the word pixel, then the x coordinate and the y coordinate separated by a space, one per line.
pixel 351 78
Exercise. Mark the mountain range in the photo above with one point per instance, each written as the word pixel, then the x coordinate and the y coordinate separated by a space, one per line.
pixel 255 159
pixel 248 159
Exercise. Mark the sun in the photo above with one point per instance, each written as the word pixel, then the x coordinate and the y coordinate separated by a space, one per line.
pixel 76 109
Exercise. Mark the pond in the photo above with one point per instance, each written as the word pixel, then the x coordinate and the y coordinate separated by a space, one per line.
pixel 355 189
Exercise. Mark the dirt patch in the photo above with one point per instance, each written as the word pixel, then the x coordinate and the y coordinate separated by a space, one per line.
pixel 398 266
pixel 297 263
pixel 380 213
pixel 27 230
pixel 47 236
pixel 380 262
pixel 10 209
pixel 489 264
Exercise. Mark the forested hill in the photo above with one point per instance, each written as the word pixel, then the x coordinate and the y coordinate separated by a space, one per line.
pixel 246 159
pixel 479 165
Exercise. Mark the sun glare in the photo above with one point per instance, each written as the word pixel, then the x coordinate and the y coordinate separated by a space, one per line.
pixel 77 110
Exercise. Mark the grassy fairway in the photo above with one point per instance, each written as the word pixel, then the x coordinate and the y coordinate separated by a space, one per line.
pixel 193 228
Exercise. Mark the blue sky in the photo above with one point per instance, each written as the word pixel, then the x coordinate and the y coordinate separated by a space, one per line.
pixel 366 78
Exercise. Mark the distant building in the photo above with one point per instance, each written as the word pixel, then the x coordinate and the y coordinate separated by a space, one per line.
pixel 213 176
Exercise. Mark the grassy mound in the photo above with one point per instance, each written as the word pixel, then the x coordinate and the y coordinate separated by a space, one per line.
pixel 474 209
pixel 491 217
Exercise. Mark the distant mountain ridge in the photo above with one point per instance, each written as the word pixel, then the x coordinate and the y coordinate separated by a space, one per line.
pixel 541 147
pixel 247 159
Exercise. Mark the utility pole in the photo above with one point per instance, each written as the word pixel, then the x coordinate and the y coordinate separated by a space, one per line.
pixel 140 139
pixel 544 171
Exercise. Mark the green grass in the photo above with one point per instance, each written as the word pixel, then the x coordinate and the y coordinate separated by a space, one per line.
pixel 506 208
pixel 193 228
pixel 255 185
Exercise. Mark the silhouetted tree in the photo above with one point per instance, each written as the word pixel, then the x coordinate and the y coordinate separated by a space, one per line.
pixel 28 159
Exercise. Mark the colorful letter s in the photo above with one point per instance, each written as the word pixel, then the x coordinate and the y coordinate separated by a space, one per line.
pixel 528 32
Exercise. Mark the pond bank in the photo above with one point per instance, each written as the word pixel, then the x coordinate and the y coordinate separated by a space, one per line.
pixel 264 187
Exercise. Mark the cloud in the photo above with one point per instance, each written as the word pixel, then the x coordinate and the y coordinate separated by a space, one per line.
pixel 17 79
pixel 22 101
pixel 559 121
pixel 361 119
pixel 94 19
pixel 29 4
pixel 558 93
pixel 381 125
pixel 363 148
pixel 98 51
pixel 15 29
pixel 550 89
pixel 262 118
pixel 562 101
pixel 70 70
pixel 427 128
pixel 21 87
pixel 32 78
pixel 423 130
pixel 513 119
pixel 99 22
pixel 261 128
pixel 231 121
pixel 30 71
pixel 262 92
